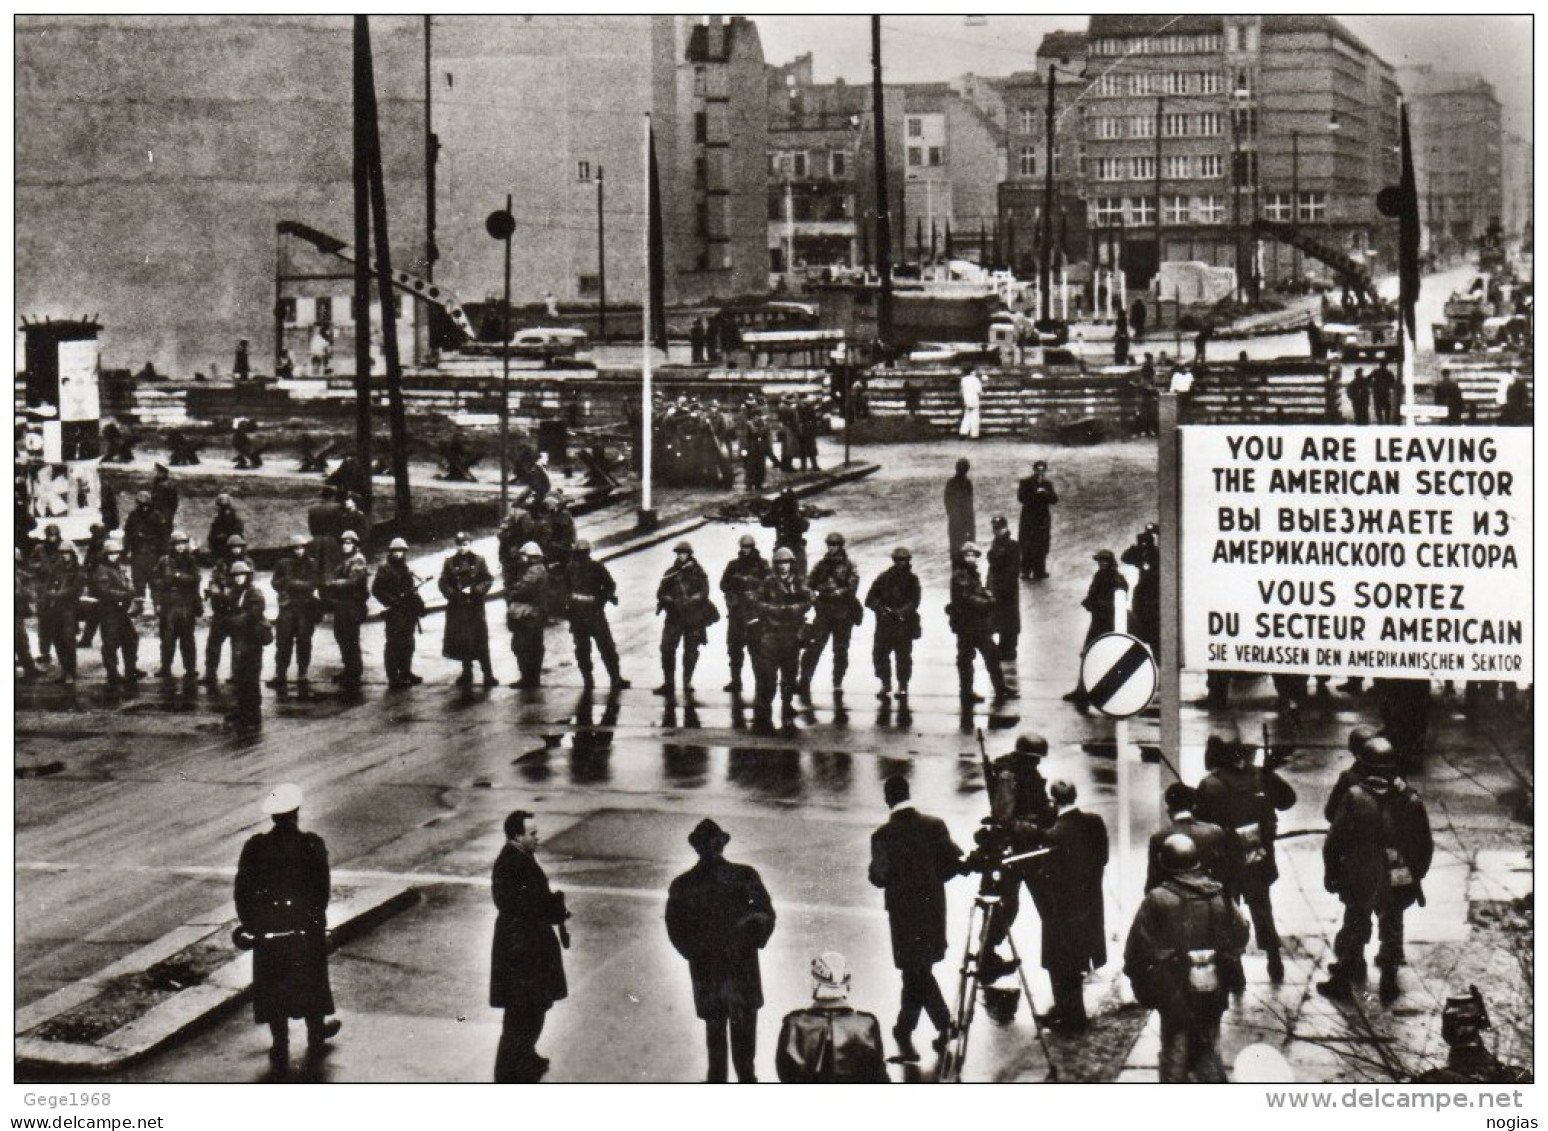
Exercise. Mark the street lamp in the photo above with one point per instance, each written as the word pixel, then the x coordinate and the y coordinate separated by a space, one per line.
pixel 1045 273
pixel 501 225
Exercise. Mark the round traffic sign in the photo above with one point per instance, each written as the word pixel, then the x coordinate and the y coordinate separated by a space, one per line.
pixel 500 224
pixel 1119 675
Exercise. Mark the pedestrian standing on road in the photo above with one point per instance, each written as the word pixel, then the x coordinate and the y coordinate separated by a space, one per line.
pixel 42 563
pixel 147 533
pixel 969 613
pixel 1383 394
pixel 1183 958
pixel 1375 858
pixel 959 510
pixel 1145 614
pixel 894 600
pixel 526 615
pixel 219 592
pixel 830 1042
pixel 1360 397
pixel 1037 497
pixel 61 605
pixel 347 591
pixel 397 589
pixel 718 917
pixel 1219 854
pixel 295 581
pixel 225 523
pixel 684 597
pixel 971 387
pixel 118 603
pixel 1246 799
pixel 834 585
pixel 1106 582
pixel 740 581
pixel 1003 581
pixel 250 634
pixel 526 964
pixel 178 606
pixel 283 887
pixel 96 538
pixel 779 608
pixel 465 583
pixel 592 589
pixel 1067 890
pixel 912 858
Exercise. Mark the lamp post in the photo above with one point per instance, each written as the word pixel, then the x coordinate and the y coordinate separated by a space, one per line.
pixel 500 225
pixel 601 263
pixel 1295 199
pixel 1045 273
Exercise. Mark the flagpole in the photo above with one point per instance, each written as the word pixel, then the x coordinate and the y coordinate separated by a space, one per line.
pixel 646 515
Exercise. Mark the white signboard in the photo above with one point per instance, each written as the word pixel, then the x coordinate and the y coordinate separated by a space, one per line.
pixel 1374 551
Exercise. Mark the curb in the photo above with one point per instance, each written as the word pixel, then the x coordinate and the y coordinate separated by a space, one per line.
pixel 223 988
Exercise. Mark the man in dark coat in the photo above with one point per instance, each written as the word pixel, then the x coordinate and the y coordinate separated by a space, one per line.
pixel 397 589
pixel 117 603
pixel 176 586
pixel 959 509
pixel 465 583
pixel 59 604
pixel 1360 397
pixel 282 891
pixel 347 590
pixel 1067 889
pixel 526 615
pixel 147 533
pixel 325 522
pixel 1384 389
pixel 912 857
pixel 41 565
pixel 830 1042
pixel 780 606
pixel 250 634
pixel 592 589
pixel 163 493
pixel 1105 582
pixel 834 583
pixel 1145 615
pixel 1375 858
pixel 718 917
pixel 894 600
pixel 684 597
pixel 789 525
pixel 1037 496
pixel 739 584
pixel 1003 583
pixel 225 523
pixel 1183 958
pixel 295 588
pixel 969 611
pixel 526 965
pixel 1218 850
pixel 1246 799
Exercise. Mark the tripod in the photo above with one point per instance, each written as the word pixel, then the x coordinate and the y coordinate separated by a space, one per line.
pixel 986 904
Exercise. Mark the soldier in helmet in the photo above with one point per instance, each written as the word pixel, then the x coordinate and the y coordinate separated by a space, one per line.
pixel 1219 854
pixel 971 604
pixel 41 564
pixel 295 581
pixel 789 524
pixel 1183 958
pixel 397 589
pixel 347 591
pixel 894 600
pixel 526 614
pixel 95 540
pixel 1468 1061
pixel 739 584
pixel 834 583
pixel 219 591
pixel 163 493
pixel 147 533
pixel 465 583
pixel 1359 738
pixel 60 605
pixel 684 597
pixel 592 589
pixel 225 523
pixel 781 604
pixel 250 634
pixel 117 602
pixel 176 585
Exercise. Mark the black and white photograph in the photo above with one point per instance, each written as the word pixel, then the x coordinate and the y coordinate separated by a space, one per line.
pixel 625 548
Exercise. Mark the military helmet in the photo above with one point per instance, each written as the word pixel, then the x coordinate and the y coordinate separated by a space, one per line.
pixel 112 546
pixel 682 548
pixel 397 544
pixel 51 531
pixel 239 568
pixel 69 548
pixel 236 540
pixel 300 540
pixel 902 554
pixel 1360 737
pixel 1178 854
pixel 1379 759
pixel 784 554
pixel 970 548
pixel 530 550
pixel 350 536
pixel 747 542
pixel 222 500
pixel 142 497
pixel 835 539
pixel 179 536
pixel 1029 743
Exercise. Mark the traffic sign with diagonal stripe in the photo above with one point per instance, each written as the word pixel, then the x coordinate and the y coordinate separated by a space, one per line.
pixel 1119 674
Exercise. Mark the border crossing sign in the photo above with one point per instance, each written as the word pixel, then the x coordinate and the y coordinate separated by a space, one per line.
pixel 1119 675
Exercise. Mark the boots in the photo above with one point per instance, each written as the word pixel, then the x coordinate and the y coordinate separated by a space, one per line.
pixel 690 661
pixel 1276 967
pixel 1388 988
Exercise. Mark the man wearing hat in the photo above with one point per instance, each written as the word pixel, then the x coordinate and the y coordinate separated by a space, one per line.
pixel 969 612
pixel 295 587
pixel 465 582
pixel 739 584
pixel 526 614
pixel 1376 855
pixel 718 917
pixel 282 891
pixel 834 584
pixel 1004 584
pixel 219 590
pixel 397 590
pixel 176 585
pixel 1183 958
pixel 684 596
pixel 110 584
pixel 250 633
pixel 1037 496
pixel 147 533
pixel 1218 850
pixel 959 509
pixel 1106 582
pixel 526 965
pixel 894 600
pixel 348 591
pixel 830 1042
pixel 592 589
pixel 1145 615
pixel 1067 889
pixel 912 857
pixel 225 523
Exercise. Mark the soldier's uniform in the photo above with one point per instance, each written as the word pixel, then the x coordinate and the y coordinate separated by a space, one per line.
pixel 781 603
pixel 163 495
pixel 250 633
pixel 225 523
pixel 1004 583
pixel 221 607
pixel 176 586
pixel 395 587
pixel 60 605
pixel 834 584
pixel 894 600
pixel 789 525
pixel 592 588
pixel 526 615
pixel 465 583
pixel 347 591
pixel 146 535
pixel 684 596
pixel 739 584
pixel 295 586
pixel 41 564
pixel 970 608
pixel 1036 495
pixel 111 585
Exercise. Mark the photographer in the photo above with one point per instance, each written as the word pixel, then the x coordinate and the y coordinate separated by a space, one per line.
pixel 1019 814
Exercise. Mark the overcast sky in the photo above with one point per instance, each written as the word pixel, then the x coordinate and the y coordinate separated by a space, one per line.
pixel 935 48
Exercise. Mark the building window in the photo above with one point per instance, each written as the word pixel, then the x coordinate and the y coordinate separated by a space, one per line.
pixel 1028 119
pixel 1142 168
pixel 701 127
pixel 1211 82
pixel 1109 168
pixel 1109 127
pixel 915 157
pixel 1026 164
pixel 1246 121
pixel 1108 211
pixel 1142 210
pixel 1174 82
pixel 1210 210
pixel 798 165
pixel 1233 38
pixel 935 155
pixel 588 286
pixel 700 172
pixel 916 127
pixel 1211 166
pixel 1174 125
pixel 1314 206
pixel 1111 85
pixel 1175 210
pixel 1176 167
pixel 1242 82
pixel 840 162
pixel 776 206
pixel 583 171
pixel 700 81
pixel 322 307
pixel 701 218
pixel 1210 124
pixel 1142 126
pixel 287 311
pixel 1276 206
pixel 1145 83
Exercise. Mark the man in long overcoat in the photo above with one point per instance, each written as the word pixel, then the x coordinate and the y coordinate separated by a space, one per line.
pixel 465 583
pixel 719 917
pixel 959 509
pixel 1067 889
pixel 912 857
pixel 526 968
pixel 1036 495
pixel 282 891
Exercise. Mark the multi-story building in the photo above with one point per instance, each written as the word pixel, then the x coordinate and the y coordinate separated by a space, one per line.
pixel 953 159
pixel 1194 125
pixel 1516 188
pixel 1456 134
